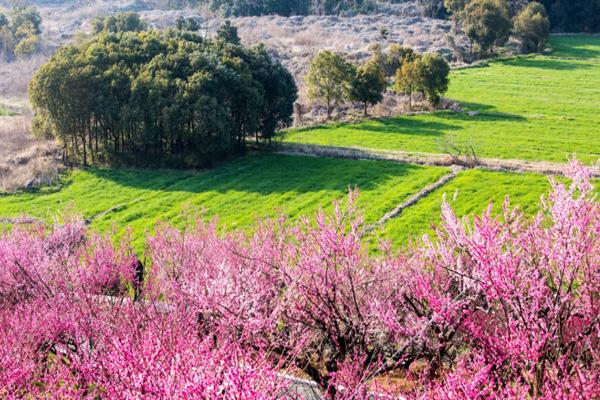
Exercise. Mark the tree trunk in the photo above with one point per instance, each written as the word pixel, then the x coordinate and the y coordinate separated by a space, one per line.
pixel 366 109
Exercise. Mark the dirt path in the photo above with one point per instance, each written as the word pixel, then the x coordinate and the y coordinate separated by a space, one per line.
pixel 358 153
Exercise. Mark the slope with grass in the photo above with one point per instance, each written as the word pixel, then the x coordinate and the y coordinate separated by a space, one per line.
pixel 532 108
pixel 469 194
pixel 240 193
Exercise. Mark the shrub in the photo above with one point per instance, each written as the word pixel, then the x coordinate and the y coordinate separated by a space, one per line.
pixel 28 46
pixel 532 26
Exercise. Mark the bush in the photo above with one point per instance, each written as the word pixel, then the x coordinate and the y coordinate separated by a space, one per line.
pixel 120 22
pixel 28 46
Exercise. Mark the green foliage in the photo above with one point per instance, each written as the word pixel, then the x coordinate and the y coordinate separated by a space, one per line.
pixel 368 85
pixel 120 22
pixel 532 26
pixel 289 7
pixel 28 46
pixel 187 24
pixel 407 80
pixel 455 6
pixel 20 32
pixel 159 98
pixel 395 57
pixel 229 33
pixel 487 24
pixel 519 109
pixel 329 79
pixel 433 72
pixel 428 74
pixel 574 15
pixel 25 21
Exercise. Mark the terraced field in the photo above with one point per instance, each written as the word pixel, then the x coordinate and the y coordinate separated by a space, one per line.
pixel 531 108
pixel 240 193
pixel 535 108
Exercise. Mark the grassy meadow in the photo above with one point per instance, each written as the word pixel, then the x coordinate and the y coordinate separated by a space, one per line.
pixel 240 193
pixel 532 108
pixel 468 194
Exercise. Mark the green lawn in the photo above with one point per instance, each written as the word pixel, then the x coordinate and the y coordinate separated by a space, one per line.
pixel 534 108
pixel 240 192
pixel 469 194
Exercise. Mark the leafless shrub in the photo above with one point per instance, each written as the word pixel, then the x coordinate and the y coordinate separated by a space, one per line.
pixel 461 152
pixel 25 162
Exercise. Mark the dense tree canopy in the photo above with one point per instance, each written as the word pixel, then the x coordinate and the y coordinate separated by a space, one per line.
pixel 160 98
pixel 574 15
pixel 288 7
pixel 120 22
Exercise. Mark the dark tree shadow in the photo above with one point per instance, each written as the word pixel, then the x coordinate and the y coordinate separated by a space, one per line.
pixel 548 64
pixel 265 174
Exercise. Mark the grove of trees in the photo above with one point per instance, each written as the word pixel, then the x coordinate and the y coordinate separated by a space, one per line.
pixel 498 308
pixel 334 80
pixel 167 98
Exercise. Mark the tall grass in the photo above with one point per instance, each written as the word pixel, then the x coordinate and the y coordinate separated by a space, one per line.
pixel 25 162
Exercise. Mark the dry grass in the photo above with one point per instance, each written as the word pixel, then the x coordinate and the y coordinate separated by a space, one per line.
pixel 25 162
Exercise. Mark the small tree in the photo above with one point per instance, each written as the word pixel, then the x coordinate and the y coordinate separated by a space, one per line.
pixel 28 46
pixel 229 33
pixel 487 24
pixel 368 85
pixel 407 80
pixel 433 72
pixel 532 26
pixel 396 56
pixel 329 79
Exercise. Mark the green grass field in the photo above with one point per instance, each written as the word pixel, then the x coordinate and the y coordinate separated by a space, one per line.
pixel 533 108
pixel 541 107
pixel 468 194
pixel 240 193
